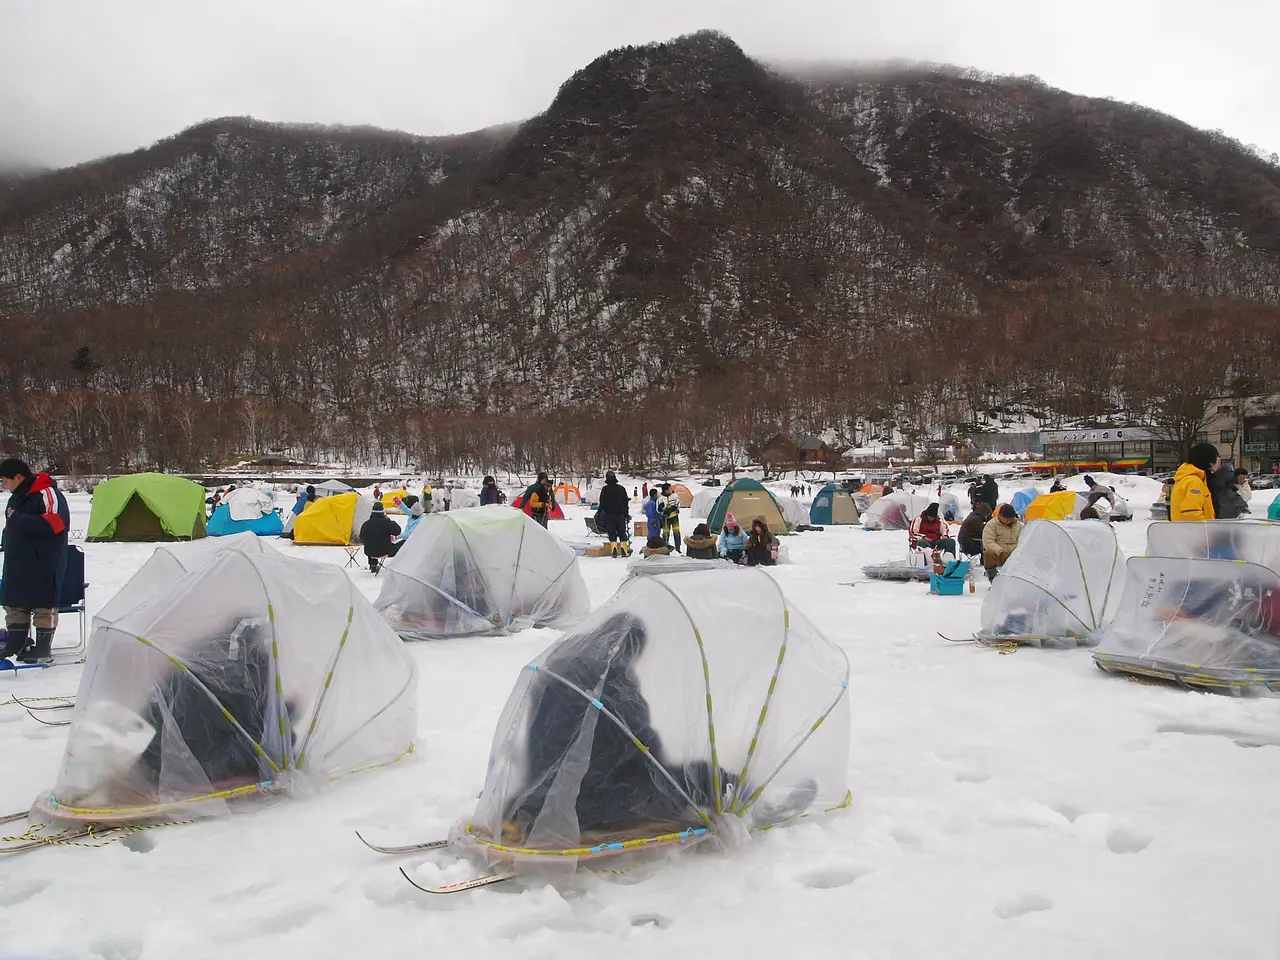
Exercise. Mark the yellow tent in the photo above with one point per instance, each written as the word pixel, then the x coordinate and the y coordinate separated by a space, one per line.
pixel 1055 506
pixel 389 498
pixel 332 520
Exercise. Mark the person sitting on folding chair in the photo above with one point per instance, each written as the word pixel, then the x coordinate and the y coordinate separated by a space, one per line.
pixel 928 532
pixel 971 530
pixel 377 535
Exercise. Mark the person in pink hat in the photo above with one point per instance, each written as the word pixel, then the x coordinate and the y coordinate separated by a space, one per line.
pixel 733 539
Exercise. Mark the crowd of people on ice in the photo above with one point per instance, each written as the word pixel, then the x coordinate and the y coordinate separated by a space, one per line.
pixel 37 519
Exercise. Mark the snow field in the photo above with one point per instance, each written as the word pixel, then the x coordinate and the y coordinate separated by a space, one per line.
pixel 1003 806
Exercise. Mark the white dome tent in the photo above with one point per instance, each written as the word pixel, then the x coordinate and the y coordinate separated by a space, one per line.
pixel 1202 609
pixel 254 674
pixel 703 501
pixel 894 512
pixel 482 570
pixel 794 512
pixel 694 705
pixel 169 564
pixel 1061 584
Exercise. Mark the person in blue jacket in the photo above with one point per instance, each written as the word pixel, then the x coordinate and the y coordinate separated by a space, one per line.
pixel 653 513
pixel 414 512
pixel 35 560
pixel 733 539
pixel 489 492
pixel 305 497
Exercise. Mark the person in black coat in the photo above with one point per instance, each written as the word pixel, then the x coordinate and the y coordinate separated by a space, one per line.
pixel 489 493
pixel 990 492
pixel 615 505
pixel 621 792
pixel 1227 502
pixel 35 560
pixel 377 535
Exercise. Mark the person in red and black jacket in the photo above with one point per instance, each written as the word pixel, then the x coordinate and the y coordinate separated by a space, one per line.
pixel 930 532
pixel 35 560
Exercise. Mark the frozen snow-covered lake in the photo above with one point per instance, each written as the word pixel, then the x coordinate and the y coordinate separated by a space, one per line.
pixel 1014 806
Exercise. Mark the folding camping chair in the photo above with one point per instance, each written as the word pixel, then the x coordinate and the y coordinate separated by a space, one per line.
pixel 352 553
pixel 72 600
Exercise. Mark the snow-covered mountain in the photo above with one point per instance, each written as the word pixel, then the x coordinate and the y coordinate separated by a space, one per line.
pixel 682 226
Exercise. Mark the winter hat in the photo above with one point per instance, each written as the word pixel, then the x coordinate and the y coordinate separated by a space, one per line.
pixel 416 510
pixel 610 477
pixel 931 510
pixel 1008 512
pixel 730 520
pixel 377 506
pixel 1202 455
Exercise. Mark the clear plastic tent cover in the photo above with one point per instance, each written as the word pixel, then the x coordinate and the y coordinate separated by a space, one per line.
pixel 693 700
pixel 481 570
pixel 169 564
pixel 793 511
pixel 703 501
pixel 894 512
pixel 1206 622
pixel 1254 541
pixel 287 678
pixel 672 563
pixel 1062 582
pixel 952 506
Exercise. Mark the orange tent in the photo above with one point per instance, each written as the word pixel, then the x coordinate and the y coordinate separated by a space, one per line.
pixel 567 493
pixel 684 493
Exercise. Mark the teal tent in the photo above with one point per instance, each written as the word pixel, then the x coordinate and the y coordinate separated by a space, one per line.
pixel 747 499
pixel 833 504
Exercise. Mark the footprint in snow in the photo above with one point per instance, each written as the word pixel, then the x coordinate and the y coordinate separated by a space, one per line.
pixel 17 892
pixel 907 838
pixel 1070 813
pixel 829 878
pixel 1023 904
pixel 970 776
pixel 121 948
pixel 651 920
pixel 1121 840
pixel 288 920
pixel 1241 738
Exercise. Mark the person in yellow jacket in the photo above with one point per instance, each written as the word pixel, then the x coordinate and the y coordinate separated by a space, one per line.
pixel 1190 498
pixel 1000 539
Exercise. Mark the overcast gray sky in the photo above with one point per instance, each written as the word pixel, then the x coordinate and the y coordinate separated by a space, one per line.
pixel 84 78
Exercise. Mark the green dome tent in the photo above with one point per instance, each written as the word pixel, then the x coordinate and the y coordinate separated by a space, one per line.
pixel 147 508
pixel 833 505
pixel 747 499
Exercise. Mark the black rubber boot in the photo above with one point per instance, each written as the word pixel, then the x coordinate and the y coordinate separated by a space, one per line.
pixel 18 639
pixel 42 651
